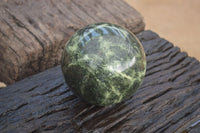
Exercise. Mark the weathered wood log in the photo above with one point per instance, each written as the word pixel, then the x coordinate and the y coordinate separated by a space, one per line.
pixel 168 100
pixel 33 33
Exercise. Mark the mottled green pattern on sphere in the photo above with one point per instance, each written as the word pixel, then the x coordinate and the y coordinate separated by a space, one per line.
pixel 103 64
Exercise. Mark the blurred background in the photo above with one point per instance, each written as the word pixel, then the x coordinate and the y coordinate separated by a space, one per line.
pixel 176 20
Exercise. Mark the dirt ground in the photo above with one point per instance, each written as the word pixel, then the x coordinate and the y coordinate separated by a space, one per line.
pixel 176 20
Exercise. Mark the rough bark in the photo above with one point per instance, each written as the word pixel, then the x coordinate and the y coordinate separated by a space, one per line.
pixel 33 32
pixel 168 100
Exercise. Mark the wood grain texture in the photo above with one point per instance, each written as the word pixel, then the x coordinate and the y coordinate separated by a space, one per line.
pixel 167 101
pixel 34 32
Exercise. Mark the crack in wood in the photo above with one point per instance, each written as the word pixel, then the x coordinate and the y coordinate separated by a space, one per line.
pixel 167 101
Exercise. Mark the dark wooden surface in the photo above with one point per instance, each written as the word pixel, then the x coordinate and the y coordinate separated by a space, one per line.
pixel 34 32
pixel 168 100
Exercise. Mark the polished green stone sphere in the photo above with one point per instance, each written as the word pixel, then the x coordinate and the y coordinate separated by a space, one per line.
pixel 103 64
